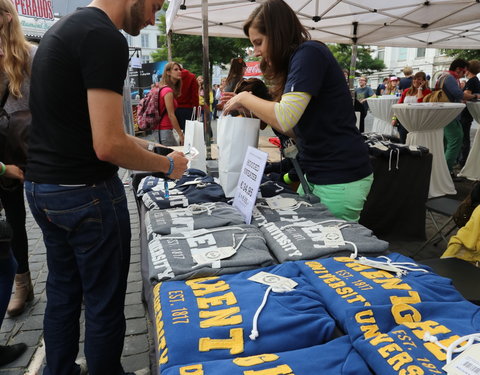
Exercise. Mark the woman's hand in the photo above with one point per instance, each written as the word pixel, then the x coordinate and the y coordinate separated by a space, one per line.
pixel 234 103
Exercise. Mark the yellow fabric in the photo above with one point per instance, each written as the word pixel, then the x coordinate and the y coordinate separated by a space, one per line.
pixel 201 100
pixel 466 243
pixel 291 108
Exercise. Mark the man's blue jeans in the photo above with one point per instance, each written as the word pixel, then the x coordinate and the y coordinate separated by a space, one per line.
pixel 86 231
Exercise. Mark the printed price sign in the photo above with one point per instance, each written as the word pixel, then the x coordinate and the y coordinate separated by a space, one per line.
pixel 249 182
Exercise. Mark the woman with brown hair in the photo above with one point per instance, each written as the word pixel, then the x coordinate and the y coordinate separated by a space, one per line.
pixel 311 103
pixel 16 57
pixel 235 75
pixel 414 94
pixel 170 88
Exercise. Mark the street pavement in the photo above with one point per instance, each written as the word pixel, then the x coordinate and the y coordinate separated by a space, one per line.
pixel 27 328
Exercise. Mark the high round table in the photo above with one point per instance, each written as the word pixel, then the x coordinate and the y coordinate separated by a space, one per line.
pixel 381 108
pixel 471 170
pixel 425 123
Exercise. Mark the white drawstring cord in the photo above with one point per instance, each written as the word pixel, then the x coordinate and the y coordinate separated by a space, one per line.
pixel 404 265
pixel 452 348
pixel 355 250
pixel 309 223
pixel 277 289
pixel 197 209
pixel 398 157
pixel 390 161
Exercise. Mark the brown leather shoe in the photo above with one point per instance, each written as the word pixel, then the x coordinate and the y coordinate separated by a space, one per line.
pixel 23 294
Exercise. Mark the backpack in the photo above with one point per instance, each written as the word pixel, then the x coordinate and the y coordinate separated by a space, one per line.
pixel 148 115
pixel 438 95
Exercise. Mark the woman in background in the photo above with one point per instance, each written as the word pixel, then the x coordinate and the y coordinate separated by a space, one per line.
pixel 16 57
pixel 414 94
pixel 312 103
pixel 235 75
pixel 170 88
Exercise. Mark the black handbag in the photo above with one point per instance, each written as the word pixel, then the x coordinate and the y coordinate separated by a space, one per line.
pixel 14 131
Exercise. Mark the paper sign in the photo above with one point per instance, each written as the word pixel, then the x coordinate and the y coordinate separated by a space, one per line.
pixel 333 236
pixel 278 203
pixel 207 256
pixel 467 363
pixel 249 182
pixel 271 279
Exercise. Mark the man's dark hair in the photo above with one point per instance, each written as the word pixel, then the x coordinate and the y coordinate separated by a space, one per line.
pixel 458 63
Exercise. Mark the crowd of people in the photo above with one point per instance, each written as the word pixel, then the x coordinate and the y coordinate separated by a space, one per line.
pixel 77 143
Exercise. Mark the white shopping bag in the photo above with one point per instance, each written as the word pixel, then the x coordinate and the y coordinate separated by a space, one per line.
pixel 234 135
pixel 194 138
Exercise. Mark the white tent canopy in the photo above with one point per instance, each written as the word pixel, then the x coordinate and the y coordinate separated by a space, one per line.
pixel 366 22
pixel 455 37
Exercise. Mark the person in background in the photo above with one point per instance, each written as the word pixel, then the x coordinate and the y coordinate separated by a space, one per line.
pixel 414 94
pixel 172 78
pixel 310 102
pixel 362 93
pixel 471 88
pixel 236 73
pixel 453 132
pixel 392 87
pixel 381 87
pixel 15 72
pixel 406 82
pixel 77 141
pixel 205 110
pixel 8 268
pixel 216 98
pixel 188 99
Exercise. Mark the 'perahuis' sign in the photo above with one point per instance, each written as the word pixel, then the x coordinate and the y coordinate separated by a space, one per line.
pixel 34 8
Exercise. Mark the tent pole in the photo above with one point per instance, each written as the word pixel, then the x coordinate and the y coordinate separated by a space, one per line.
pixel 206 79
pixel 169 46
pixel 353 61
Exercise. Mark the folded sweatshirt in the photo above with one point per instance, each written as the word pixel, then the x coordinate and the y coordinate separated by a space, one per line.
pixel 344 283
pixel 193 187
pixel 211 318
pixel 337 357
pixel 195 216
pixel 174 256
pixel 409 338
pixel 315 238
pixel 300 210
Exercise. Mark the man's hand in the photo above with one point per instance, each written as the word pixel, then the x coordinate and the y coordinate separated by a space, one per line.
pixel 13 171
pixel 179 164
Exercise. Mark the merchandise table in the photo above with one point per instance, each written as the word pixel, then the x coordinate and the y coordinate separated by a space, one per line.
pixel 425 123
pixel 381 108
pixel 194 321
pixel 471 170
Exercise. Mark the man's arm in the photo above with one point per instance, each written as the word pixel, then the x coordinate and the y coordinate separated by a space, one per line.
pixel 113 145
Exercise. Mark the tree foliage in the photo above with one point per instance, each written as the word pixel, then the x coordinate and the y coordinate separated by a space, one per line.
pixel 188 49
pixel 365 63
pixel 467 54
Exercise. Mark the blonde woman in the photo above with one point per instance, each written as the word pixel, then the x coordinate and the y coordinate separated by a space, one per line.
pixel 16 57
pixel 171 87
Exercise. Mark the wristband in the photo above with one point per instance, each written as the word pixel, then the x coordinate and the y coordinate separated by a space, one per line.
pixel 286 179
pixel 3 168
pixel 394 118
pixel 170 169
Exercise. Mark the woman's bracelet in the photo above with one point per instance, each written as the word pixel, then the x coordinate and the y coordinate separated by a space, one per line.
pixel 3 168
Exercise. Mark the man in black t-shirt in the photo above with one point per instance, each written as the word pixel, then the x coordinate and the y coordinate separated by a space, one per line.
pixel 77 140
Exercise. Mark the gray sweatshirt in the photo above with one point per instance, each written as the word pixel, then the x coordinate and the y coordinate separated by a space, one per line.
pixel 172 256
